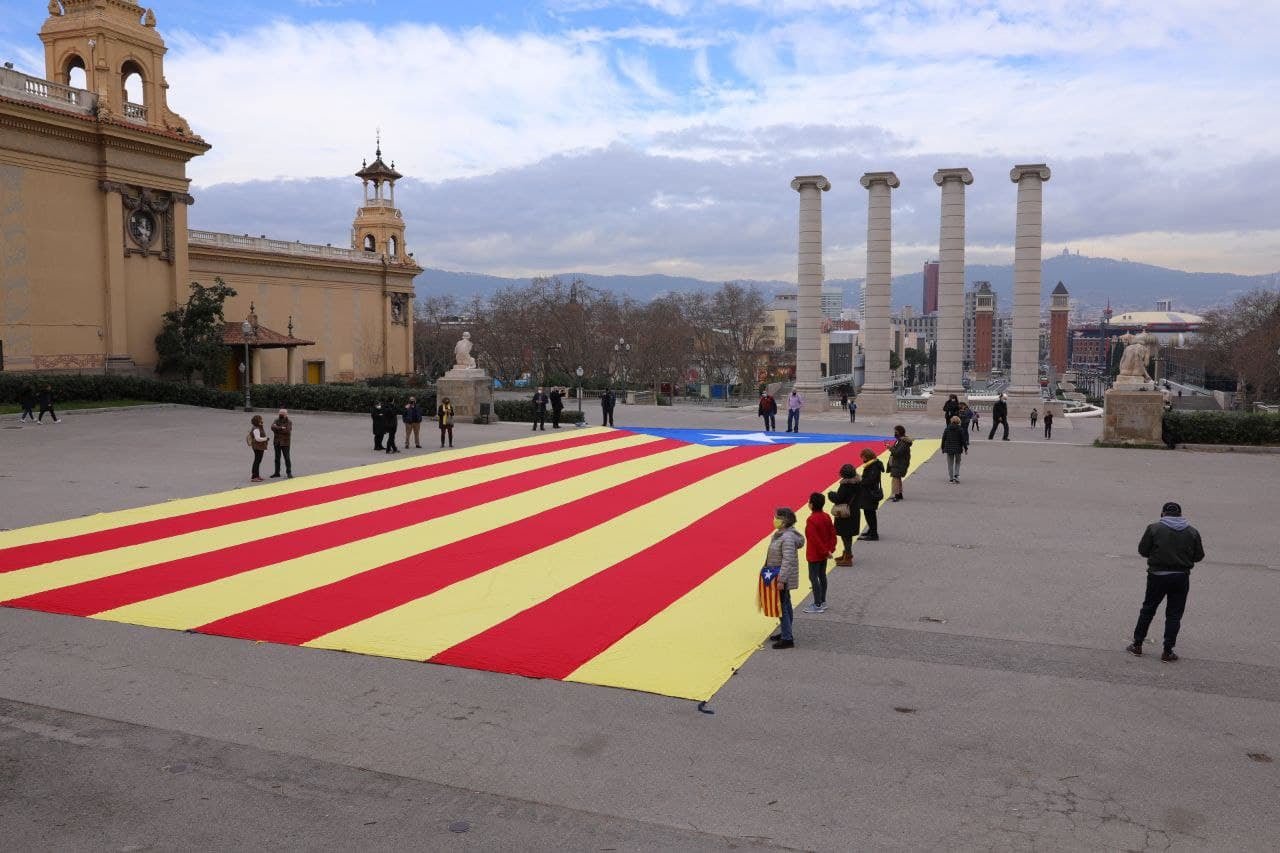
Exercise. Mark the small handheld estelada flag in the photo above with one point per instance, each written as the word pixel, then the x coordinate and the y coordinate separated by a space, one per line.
pixel 767 598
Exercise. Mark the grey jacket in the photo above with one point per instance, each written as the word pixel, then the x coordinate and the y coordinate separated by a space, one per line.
pixel 784 551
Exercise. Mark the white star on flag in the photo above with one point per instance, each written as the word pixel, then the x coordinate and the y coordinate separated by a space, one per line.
pixel 757 437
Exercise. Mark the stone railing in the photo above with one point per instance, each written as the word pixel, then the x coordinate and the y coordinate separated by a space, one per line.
pixel 912 404
pixel 378 202
pixel 279 247
pixel 135 112
pixel 15 84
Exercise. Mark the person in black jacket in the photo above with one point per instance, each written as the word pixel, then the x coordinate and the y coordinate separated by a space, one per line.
pixel 379 424
pixel 46 404
pixel 607 401
pixel 540 400
pixel 871 491
pixel 1048 424
pixel 999 415
pixel 1172 548
pixel 950 409
pixel 899 461
pixel 390 421
pixel 412 423
pixel 846 511
pixel 557 406
pixel 955 441
pixel 27 399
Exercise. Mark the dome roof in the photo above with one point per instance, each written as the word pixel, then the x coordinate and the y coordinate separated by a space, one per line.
pixel 1155 318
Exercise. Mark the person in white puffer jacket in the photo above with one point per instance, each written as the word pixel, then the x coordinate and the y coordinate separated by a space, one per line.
pixel 784 552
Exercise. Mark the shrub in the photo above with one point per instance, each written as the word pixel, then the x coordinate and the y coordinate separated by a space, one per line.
pixel 521 411
pixel 1189 427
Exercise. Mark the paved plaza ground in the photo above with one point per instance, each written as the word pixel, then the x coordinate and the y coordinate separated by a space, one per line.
pixel 966 689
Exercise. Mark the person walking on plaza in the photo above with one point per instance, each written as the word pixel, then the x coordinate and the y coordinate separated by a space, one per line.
pixel 872 492
pixel 768 409
pixel 1034 415
pixel 999 415
pixel 390 423
pixel 784 554
pixel 820 546
pixel 899 461
pixel 557 406
pixel 950 409
pixel 846 511
pixel 46 404
pixel 794 404
pixel 1048 424
pixel 282 436
pixel 607 402
pixel 379 424
pixel 844 399
pixel 955 441
pixel 27 399
pixel 257 441
pixel 540 401
pixel 853 410
pixel 977 426
pixel 1172 548
pixel 412 423
pixel 444 417
pixel 966 416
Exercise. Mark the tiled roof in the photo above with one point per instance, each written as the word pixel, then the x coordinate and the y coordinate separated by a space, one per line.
pixel 263 337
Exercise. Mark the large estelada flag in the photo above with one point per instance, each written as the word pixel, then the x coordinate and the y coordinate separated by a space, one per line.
pixel 622 557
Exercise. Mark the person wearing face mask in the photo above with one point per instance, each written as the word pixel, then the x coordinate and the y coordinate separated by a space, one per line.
pixel 784 557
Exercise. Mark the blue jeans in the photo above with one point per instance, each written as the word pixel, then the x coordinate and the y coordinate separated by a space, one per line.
pixel 785 631
pixel 793 420
pixel 818 580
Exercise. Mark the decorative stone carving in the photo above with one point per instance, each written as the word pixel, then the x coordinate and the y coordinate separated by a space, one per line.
pixel 148 219
pixel 400 309
pixel 1138 350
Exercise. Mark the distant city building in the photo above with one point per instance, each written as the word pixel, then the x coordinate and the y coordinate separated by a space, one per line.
pixel 832 301
pixel 929 299
pixel 1093 340
pixel 1165 305
pixel 979 329
pixel 1059 334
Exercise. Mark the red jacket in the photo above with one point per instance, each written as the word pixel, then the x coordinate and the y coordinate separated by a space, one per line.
pixel 819 537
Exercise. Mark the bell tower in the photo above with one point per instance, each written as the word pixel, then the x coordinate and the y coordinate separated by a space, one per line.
pixel 379 226
pixel 115 44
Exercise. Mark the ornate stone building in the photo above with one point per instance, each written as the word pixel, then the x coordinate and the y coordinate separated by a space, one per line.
pixel 94 242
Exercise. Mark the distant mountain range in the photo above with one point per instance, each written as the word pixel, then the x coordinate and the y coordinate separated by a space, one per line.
pixel 1091 282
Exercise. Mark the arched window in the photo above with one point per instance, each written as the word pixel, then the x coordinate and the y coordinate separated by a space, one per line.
pixel 393 247
pixel 73 73
pixel 132 90
pixel 370 245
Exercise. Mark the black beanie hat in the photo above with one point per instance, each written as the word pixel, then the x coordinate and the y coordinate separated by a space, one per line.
pixel 1171 508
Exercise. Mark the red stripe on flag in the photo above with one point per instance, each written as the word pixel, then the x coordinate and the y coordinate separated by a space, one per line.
pixel 314 613
pixel 38 553
pixel 108 593
pixel 556 637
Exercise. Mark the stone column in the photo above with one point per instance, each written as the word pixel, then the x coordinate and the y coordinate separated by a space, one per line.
pixel 1024 371
pixel 876 397
pixel 809 277
pixel 950 286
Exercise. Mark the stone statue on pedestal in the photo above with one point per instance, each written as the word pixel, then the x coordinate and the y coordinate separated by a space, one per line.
pixel 462 357
pixel 1138 350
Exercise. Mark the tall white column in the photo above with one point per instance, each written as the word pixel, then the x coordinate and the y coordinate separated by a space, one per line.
pixel 950 285
pixel 809 278
pixel 877 396
pixel 1024 372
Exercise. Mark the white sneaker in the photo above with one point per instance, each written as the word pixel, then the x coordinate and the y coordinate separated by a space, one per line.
pixel 809 608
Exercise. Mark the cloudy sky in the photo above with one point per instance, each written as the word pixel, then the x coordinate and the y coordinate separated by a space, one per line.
pixel 636 136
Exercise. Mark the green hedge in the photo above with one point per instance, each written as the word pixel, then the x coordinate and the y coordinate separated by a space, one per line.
pixel 321 398
pixel 521 411
pixel 1182 427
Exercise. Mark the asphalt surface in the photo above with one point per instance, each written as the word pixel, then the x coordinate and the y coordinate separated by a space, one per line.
pixel 967 688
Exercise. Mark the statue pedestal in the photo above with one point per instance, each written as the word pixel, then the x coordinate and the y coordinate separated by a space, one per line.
pixel 467 389
pixel 1132 416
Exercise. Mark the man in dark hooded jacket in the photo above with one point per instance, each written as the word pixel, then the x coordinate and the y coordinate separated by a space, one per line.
pixel 1172 548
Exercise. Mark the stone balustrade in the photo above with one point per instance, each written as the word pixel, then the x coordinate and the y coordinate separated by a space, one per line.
pixel 912 404
pixel 263 244
pixel 135 112
pixel 24 87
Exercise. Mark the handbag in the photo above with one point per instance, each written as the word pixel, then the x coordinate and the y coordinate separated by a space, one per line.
pixel 841 511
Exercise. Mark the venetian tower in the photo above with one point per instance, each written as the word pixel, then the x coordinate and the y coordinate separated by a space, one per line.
pixel 1058 332
pixel 379 225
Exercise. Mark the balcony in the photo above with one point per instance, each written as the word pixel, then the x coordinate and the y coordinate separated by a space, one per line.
pixel 24 87
pixel 135 112
pixel 279 247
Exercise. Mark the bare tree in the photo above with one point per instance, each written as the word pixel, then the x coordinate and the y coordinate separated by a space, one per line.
pixel 435 323
pixel 1242 342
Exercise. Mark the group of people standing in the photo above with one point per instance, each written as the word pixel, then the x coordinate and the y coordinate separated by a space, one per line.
pixel 387 415
pixel 857 496
pixel 282 436
pixel 542 401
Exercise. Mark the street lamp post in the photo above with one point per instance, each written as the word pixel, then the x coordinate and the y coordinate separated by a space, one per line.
pixel 247 328
pixel 578 372
pixel 622 350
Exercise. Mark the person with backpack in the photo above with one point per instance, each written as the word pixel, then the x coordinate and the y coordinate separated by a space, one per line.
pixel 257 441
pixel 1034 415
pixel 955 441
pixel 820 546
